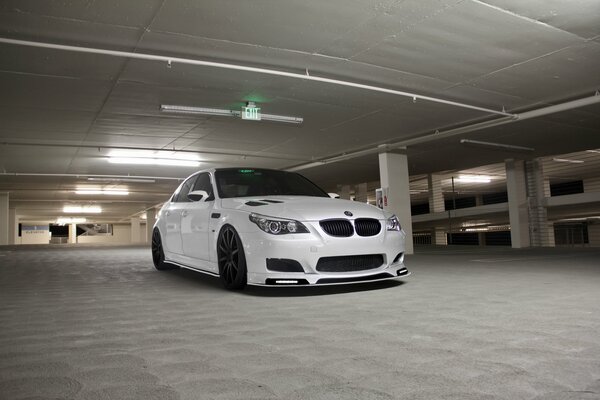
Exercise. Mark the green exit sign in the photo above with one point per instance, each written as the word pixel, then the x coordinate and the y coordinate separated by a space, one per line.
pixel 251 113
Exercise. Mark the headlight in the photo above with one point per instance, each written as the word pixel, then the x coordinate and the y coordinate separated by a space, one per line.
pixel 392 224
pixel 278 226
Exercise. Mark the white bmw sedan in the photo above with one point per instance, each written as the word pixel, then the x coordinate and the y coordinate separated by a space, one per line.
pixel 274 228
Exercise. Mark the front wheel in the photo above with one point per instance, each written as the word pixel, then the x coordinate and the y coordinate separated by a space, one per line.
pixel 158 255
pixel 232 260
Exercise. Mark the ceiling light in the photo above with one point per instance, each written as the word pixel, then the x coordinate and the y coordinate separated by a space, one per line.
pixel 568 160
pixel 473 179
pixel 198 110
pixel 158 157
pixel 496 146
pixel 107 192
pixel 136 180
pixel 69 220
pixel 153 161
pixel 593 151
pixel 83 209
pixel 228 113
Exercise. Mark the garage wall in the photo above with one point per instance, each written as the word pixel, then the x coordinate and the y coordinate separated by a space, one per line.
pixel 34 234
pixel 594 234
pixel 121 235
pixel 591 185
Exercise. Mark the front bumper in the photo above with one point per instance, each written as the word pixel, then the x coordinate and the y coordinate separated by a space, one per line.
pixel 308 248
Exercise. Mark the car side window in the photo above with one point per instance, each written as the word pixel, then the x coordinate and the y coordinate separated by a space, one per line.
pixel 203 183
pixel 181 196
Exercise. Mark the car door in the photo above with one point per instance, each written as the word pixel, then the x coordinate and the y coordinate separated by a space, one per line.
pixel 177 208
pixel 195 223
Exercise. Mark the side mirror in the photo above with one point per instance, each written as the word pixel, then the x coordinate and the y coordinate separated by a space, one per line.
pixel 198 195
pixel 334 195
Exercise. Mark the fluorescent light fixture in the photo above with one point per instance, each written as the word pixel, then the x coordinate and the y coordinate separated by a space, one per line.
pixel 568 160
pixel 82 209
pixel 133 180
pixel 473 179
pixel 159 157
pixel 69 220
pixel 226 113
pixel 108 192
pixel 496 146
pixel 198 110
pixel 153 161
pixel 593 151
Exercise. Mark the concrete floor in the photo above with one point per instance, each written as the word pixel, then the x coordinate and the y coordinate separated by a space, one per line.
pixel 101 323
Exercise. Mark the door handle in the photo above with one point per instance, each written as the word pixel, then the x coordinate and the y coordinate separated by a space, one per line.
pixel 184 213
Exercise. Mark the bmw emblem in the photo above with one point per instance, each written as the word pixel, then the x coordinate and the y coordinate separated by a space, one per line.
pixel 348 213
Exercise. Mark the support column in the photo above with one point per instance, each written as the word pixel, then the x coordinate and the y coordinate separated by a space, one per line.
pixel 135 230
pixel 436 204
pixel 4 219
pixel 150 221
pixel 13 227
pixel 436 195
pixel 393 171
pixel 541 233
pixel 517 203
pixel 73 233
pixel 345 192
pixel 361 193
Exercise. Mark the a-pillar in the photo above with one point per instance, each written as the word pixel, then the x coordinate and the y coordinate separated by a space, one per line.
pixel 361 193
pixel 517 203
pixel 436 204
pixel 4 220
pixel 73 233
pixel 135 229
pixel 150 221
pixel 393 172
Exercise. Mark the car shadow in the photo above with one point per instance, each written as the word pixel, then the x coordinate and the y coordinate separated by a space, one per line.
pixel 208 282
pixel 303 291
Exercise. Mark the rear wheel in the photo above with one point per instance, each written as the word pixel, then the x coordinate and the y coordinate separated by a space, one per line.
pixel 158 255
pixel 232 260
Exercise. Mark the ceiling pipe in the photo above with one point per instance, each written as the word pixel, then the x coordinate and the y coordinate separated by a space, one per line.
pixel 306 76
pixel 437 135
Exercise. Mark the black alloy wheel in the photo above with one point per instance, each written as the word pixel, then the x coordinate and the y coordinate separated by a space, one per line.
pixel 232 260
pixel 158 255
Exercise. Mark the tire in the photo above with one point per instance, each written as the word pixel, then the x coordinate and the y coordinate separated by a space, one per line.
pixel 158 255
pixel 231 258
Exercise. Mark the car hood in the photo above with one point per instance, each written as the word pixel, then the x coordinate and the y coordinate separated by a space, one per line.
pixel 303 208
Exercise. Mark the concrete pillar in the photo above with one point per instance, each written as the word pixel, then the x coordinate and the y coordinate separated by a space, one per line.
pixel 4 219
pixel 540 233
pixel 150 220
pixel 439 237
pixel 361 192
pixel 517 203
pixel 345 192
pixel 73 233
pixel 436 195
pixel 393 171
pixel 13 226
pixel 135 230
pixel 436 204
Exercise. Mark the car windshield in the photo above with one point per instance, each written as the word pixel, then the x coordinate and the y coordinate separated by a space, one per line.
pixel 240 182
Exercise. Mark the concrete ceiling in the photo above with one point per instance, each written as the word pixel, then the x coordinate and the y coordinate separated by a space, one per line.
pixel 62 112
